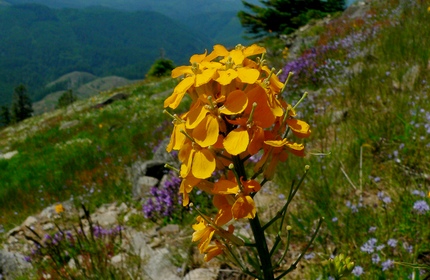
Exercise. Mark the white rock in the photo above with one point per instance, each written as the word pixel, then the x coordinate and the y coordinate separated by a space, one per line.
pixel 202 274
pixel 9 155
pixel 48 226
pixel 30 221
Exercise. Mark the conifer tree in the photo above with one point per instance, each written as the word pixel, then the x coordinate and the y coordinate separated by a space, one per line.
pixel 22 107
pixel 284 16
pixel 5 118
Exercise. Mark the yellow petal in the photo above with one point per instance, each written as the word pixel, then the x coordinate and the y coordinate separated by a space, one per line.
pixel 213 251
pixel 179 92
pixel 225 187
pixel 248 75
pixel 237 56
pixel 205 77
pixel 196 115
pixel 296 149
pixel 181 70
pixel 225 77
pixel 253 50
pixel 236 103
pixel 300 128
pixel 236 141
pixel 197 57
pixel 220 50
pixel 186 165
pixel 177 139
pixel 186 187
pixel 203 164
pixel 276 143
pixel 244 207
pixel 206 133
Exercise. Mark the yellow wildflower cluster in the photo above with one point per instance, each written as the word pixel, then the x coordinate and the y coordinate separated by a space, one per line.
pixel 236 112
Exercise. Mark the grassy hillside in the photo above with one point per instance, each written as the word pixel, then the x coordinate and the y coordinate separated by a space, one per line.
pixel 367 78
pixel 40 44
pixel 83 85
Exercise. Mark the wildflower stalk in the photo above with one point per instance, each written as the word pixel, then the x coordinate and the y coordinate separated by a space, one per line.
pixel 237 112
pixel 257 231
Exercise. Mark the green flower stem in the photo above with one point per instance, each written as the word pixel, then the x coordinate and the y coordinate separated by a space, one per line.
pixel 262 249
pixel 257 230
pixel 294 265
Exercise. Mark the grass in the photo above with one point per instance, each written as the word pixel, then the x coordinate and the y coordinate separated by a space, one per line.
pixel 376 167
pixel 86 162
pixel 368 83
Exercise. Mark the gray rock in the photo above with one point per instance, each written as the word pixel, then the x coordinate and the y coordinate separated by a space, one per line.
pixel 202 274
pixel 159 266
pixel 162 155
pixel 169 229
pixel 69 124
pixel 12 264
pixel 30 221
pixel 105 219
pixel 143 186
pixel 9 155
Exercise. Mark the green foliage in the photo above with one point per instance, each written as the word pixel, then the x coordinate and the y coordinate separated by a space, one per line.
pixel 368 175
pixel 5 117
pixel 66 99
pixel 79 162
pixel 285 16
pixel 21 104
pixel 162 67
pixel 97 40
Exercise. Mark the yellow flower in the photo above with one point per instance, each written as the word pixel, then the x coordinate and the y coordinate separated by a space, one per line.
pixel 59 208
pixel 214 250
pixel 243 206
pixel 199 73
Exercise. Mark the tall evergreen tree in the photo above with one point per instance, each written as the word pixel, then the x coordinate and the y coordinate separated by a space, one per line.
pixel 284 16
pixel 4 116
pixel 22 108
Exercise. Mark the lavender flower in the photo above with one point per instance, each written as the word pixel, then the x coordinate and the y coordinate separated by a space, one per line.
pixel 372 229
pixel 418 193
pixel 387 265
pixel 392 242
pixel 421 207
pixel 309 256
pixel 369 246
pixel 357 271
pixel 385 198
pixel 165 200
pixel 375 258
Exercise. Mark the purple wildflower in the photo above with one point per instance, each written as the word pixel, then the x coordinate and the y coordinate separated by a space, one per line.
pixel 372 229
pixel 387 265
pixel 369 246
pixel 375 258
pixel 392 242
pixel 357 271
pixel 418 193
pixel 421 207
pixel 309 256
pixel 165 200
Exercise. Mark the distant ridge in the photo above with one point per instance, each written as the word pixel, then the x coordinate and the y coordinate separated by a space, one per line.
pixel 38 44
pixel 83 85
